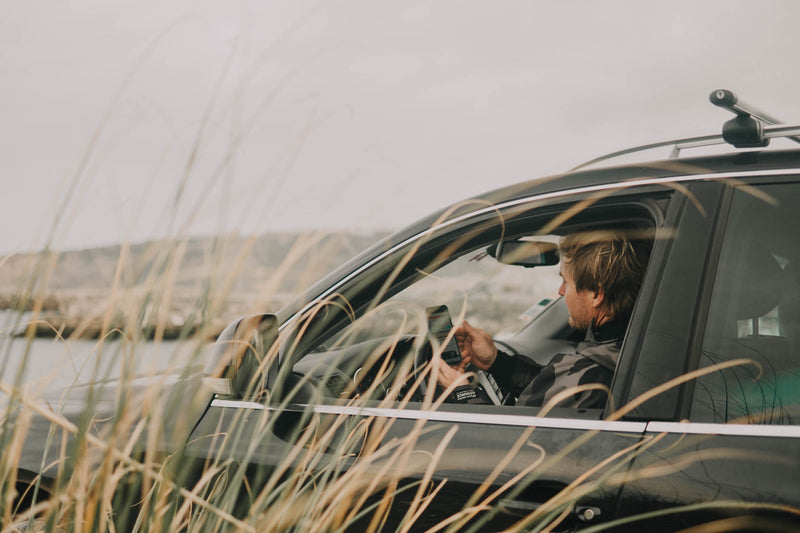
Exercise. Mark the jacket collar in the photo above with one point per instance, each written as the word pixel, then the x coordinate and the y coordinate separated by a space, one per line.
pixel 611 330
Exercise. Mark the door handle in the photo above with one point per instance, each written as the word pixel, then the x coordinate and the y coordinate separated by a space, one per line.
pixel 586 513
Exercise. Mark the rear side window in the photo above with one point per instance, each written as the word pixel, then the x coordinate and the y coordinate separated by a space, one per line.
pixel 753 323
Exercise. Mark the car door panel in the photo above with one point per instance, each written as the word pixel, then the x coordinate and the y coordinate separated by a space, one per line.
pixel 728 452
pixel 459 449
pixel 529 461
pixel 699 473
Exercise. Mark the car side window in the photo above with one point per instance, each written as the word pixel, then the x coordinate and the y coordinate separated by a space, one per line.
pixel 500 298
pixel 752 335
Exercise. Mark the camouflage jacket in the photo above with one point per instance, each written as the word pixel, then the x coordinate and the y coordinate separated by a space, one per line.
pixel 593 362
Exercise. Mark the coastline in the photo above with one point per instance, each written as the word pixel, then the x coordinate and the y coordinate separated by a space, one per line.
pixel 90 314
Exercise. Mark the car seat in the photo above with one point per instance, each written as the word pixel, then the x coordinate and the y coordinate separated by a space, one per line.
pixel 741 326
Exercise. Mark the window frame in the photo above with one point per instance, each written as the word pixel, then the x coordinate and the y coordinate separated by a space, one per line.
pixel 654 200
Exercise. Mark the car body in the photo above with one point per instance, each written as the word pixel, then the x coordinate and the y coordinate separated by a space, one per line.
pixel 702 421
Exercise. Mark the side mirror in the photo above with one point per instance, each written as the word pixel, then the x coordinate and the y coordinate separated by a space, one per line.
pixel 527 254
pixel 239 361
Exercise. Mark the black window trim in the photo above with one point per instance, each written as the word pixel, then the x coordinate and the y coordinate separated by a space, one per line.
pixel 646 347
pixel 640 316
pixel 704 301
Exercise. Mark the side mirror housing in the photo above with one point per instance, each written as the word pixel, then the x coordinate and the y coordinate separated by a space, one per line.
pixel 239 363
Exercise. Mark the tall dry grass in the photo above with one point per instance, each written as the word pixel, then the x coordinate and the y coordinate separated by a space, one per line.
pixel 117 456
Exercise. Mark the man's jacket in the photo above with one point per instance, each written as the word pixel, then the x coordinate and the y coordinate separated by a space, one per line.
pixel 593 362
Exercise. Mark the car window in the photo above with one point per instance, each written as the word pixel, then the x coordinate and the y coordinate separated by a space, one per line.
pixel 367 340
pixel 381 351
pixel 753 322
pixel 499 298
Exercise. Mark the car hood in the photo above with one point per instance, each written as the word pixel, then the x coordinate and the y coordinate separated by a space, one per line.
pixel 154 414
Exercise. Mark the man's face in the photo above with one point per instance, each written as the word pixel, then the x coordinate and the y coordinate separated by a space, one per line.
pixel 579 304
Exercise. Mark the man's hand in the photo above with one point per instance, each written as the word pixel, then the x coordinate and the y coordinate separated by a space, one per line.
pixel 476 346
pixel 447 375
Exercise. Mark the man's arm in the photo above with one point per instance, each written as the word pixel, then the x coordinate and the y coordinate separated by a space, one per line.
pixel 566 372
pixel 514 372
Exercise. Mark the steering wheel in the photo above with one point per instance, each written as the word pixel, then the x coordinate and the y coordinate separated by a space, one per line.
pixel 381 361
pixel 366 379
pixel 422 356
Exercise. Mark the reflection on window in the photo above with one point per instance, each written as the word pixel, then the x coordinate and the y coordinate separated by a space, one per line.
pixel 753 321
pixel 768 324
pixel 372 357
pixel 498 298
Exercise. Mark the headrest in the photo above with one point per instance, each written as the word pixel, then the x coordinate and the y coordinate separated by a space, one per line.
pixel 760 284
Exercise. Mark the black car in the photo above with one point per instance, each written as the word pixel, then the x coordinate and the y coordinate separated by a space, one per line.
pixel 702 422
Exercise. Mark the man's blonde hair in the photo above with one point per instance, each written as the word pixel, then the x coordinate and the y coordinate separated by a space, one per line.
pixel 606 260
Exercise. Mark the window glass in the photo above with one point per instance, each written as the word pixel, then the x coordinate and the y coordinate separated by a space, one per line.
pixel 502 279
pixel 499 298
pixel 753 323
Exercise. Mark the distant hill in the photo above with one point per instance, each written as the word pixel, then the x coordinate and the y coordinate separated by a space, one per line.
pixel 238 271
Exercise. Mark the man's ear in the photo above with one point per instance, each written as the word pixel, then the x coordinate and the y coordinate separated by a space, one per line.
pixel 598 297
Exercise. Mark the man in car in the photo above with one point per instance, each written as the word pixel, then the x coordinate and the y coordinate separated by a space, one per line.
pixel 601 274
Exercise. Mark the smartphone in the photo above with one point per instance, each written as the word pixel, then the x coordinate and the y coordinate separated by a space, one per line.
pixel 439 326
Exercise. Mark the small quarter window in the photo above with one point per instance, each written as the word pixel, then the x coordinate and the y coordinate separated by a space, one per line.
pixel 752 334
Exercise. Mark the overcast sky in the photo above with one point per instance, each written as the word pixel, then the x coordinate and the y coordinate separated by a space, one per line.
pixel 136 119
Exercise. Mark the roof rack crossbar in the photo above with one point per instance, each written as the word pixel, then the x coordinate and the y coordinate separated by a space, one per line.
pixel 746 130
pixel 728 100
pixel 783 130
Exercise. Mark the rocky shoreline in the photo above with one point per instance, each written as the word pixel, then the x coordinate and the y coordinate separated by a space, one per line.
pixel 54 325
pixel 90 315
pixel 166 289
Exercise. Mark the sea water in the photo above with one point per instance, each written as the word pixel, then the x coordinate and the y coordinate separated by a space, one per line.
pixel 45 364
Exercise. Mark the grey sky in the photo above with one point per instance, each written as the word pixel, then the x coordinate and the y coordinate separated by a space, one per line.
pixel 350 114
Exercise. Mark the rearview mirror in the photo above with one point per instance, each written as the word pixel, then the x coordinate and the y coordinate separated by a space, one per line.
pixel 238 362
pixel 527 254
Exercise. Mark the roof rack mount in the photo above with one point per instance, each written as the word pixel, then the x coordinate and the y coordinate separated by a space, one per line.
pixel 751 128
pixel 746 130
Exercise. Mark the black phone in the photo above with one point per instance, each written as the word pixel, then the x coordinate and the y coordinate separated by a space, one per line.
pixel 439 326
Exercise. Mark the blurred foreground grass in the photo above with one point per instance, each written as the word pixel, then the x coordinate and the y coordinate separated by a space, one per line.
pixel 114 452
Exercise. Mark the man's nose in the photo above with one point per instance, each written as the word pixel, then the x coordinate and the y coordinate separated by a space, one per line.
pixel 562 289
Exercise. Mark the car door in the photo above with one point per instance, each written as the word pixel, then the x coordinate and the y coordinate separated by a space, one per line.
pixel 419 462
pixel 726 434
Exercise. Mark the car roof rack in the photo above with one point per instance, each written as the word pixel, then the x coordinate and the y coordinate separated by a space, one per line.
pixel 750 128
